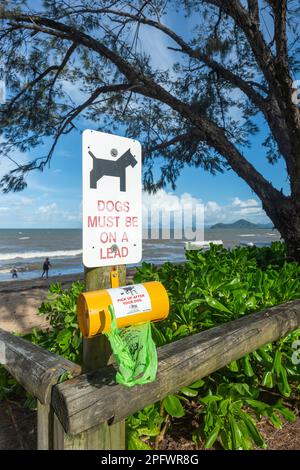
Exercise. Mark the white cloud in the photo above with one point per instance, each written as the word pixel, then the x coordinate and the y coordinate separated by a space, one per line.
pixel 251 210
pixel 169 201
pixel 212 207
pixel 47 210
pixel 53 213
pixel 40 187
pixel 247 203
pixel 15 203
pixel 25 201
pixel 213 211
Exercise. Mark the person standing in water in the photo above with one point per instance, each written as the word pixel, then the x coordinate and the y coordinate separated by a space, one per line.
pixel 46 267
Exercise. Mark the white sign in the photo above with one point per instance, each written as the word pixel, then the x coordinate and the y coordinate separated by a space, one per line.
pixel 128 300
pixel 112 199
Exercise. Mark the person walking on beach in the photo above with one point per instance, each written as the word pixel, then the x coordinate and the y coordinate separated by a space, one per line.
pixel 14 273
pixel 46 266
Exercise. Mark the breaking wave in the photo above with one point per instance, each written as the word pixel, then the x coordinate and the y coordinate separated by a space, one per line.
pixel 39 254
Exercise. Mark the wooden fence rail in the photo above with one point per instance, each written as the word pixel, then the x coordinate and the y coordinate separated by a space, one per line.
pixel 94 397
pixel 35 368
pixel 81 404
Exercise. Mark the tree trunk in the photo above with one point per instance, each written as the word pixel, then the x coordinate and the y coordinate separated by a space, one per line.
pixel 285 214
pixel 290 231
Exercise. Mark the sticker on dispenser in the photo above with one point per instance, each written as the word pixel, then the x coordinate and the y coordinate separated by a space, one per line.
pixel 128 300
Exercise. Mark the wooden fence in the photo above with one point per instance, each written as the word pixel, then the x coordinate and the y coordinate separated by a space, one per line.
pixel 81 413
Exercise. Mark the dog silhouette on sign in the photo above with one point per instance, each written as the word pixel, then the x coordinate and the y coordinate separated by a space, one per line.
pixel 111 168
pixel 129 290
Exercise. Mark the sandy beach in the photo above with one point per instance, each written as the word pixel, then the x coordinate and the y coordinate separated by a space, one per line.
pixel 20 301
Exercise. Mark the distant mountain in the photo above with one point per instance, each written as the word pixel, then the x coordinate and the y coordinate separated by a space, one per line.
pixel 240 224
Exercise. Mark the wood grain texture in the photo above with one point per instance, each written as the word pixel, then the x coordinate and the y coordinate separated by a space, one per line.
pixel 44 427
pixel 35 368
pixel 96 353
pixel 101 437
pixel 93 398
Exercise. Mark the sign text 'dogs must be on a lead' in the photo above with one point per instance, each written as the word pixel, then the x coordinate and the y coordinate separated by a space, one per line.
pixel 112 206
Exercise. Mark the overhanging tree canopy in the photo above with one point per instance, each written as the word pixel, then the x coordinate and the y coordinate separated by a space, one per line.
pixel 239 55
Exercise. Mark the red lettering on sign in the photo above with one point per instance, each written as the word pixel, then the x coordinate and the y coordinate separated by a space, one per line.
pixel 92 221
pixel 107 253
pixel 101 205
pixel 108 237
pixel 124 238
pixel 103 221
pixel 110 206
pixel 118 206
pixel 131 221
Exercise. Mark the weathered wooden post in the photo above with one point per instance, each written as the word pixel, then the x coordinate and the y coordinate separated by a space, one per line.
pixel 97 351
pixel 96 354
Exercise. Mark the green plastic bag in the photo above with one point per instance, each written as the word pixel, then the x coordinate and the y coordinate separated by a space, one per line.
pixel 135 352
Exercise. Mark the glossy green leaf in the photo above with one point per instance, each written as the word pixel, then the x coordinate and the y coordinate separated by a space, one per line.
pixel 212 437
pixel 236 434
pixel 210 399
pixel 216 304
pixel 247 366
pixel 233 366
pixel 173 406
pixel 253 431
pixel 197 384
pixel 267 380
pixel 135 443
pixel 286 412
pixel 189 392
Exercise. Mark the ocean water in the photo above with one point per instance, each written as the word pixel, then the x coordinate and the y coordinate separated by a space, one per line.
pixel 26 249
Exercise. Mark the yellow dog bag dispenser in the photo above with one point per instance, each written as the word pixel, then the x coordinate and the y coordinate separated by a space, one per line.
pixel 124 314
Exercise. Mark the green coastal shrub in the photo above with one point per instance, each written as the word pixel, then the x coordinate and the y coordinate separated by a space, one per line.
pixel 64 336
pixel 211 288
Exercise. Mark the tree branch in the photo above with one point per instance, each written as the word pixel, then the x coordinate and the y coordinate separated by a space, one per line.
pixel 60 69
pixel 31 84
pixel 283 111
pixel 175 140
pixel 254 9
pixel 67 120
pixel 75 112
pixel 229 76
pixel 250 27
pixel 280 11
pixel 208 131
pixel 268 107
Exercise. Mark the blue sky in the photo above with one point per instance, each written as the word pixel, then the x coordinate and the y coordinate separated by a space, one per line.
pixel 53 198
